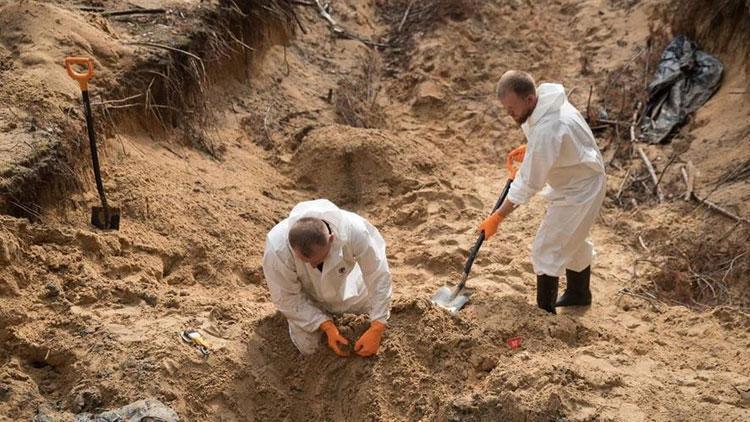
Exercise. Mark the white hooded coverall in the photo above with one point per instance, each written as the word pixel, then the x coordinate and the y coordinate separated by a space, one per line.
pixel 355 276
pixel 561 153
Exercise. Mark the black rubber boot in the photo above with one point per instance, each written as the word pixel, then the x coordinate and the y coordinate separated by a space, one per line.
pixel 546 292
pixel 578 292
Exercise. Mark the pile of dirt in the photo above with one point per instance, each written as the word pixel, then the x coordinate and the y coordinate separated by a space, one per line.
pixel 357 166
pixel 432 365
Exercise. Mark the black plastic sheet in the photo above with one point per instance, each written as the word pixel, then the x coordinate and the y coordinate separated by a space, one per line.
pixel 685 79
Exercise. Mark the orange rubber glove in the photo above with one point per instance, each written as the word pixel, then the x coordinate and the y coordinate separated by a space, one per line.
pixel 368 344
pixel 334 337
pixel 516 155
pixel 489 226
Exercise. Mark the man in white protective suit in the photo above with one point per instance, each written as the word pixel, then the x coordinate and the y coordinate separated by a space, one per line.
pixel 562 154
pixel 323 260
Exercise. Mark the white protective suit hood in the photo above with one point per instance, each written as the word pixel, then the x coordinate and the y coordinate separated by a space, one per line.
pixel 550 97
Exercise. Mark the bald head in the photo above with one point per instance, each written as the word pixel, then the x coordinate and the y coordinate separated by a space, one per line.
pixel 516 91
pixel 517 82
pixel 308 234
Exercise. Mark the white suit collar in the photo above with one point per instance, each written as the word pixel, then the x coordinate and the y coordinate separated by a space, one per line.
pixel 550 97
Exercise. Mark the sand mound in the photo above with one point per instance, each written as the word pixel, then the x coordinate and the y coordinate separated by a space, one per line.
pixel 432 366
pixel 352 166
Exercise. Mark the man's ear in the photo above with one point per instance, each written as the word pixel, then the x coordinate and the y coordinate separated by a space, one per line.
pixel 330 238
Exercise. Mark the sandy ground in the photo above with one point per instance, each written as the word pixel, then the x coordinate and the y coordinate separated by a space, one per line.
pixel 89 320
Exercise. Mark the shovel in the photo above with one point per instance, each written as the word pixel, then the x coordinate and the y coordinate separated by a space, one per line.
pixel 104 217
pixel 455 299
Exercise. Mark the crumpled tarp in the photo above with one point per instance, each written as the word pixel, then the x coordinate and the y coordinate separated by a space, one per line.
pixel 143 410
pixel 685 79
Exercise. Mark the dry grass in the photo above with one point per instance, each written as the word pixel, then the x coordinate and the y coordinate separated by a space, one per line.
pixel 169 87
pixel 405 18
pixel 705 270
pixel 355 99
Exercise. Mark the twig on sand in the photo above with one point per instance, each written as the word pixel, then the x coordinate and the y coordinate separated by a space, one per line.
pixel 689 176
pixel 653 301
pixel 118 101
pixel 715 207
pixel 663 172
pixel 173 152
pixel 406 15
pixel 643 244
pixel 238 41
pixel 731 266
pixel 166 47
pixel 302 3
pixel 266 132
pixel 341 32
pixel 633 123
pixel 34 214
pixel 622 185
pixel 133 12
pixel 651 171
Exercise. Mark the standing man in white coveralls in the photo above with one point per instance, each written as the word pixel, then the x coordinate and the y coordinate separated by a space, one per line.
pixel 323 260
pixel 562 154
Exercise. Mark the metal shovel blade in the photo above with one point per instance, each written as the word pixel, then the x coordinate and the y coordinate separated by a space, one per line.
pixel 449 299
pixel 100 220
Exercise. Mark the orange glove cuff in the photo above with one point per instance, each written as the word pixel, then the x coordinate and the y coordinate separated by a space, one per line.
pixel 378 326
pixel 327 326
pixel 517 154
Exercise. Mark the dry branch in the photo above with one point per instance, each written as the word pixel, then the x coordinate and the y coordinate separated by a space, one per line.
pixel 340 31
pixel 651 171
pixel 406 15
pixel 133 12
pixel 713 206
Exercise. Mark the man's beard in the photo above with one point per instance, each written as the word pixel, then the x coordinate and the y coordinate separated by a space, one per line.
pixel 525 116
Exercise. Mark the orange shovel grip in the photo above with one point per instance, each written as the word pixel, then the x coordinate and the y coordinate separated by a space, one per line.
pixel 81 77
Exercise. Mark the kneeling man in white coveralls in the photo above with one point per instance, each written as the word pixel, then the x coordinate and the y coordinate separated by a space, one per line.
pixel 322 260
pixel 561 156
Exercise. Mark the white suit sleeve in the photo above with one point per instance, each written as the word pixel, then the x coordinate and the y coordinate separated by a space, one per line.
pixel 369 249
pixel 287 294
pixel 541 154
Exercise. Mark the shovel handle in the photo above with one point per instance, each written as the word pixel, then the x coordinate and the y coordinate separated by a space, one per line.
pixel 82 77
pixel 480 239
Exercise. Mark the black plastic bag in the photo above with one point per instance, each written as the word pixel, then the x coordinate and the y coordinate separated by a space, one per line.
pixel 685 79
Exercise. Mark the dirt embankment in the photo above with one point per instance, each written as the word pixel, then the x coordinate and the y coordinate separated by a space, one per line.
pixel 89 320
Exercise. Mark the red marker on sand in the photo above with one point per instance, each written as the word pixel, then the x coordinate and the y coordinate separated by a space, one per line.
pixel 515 342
